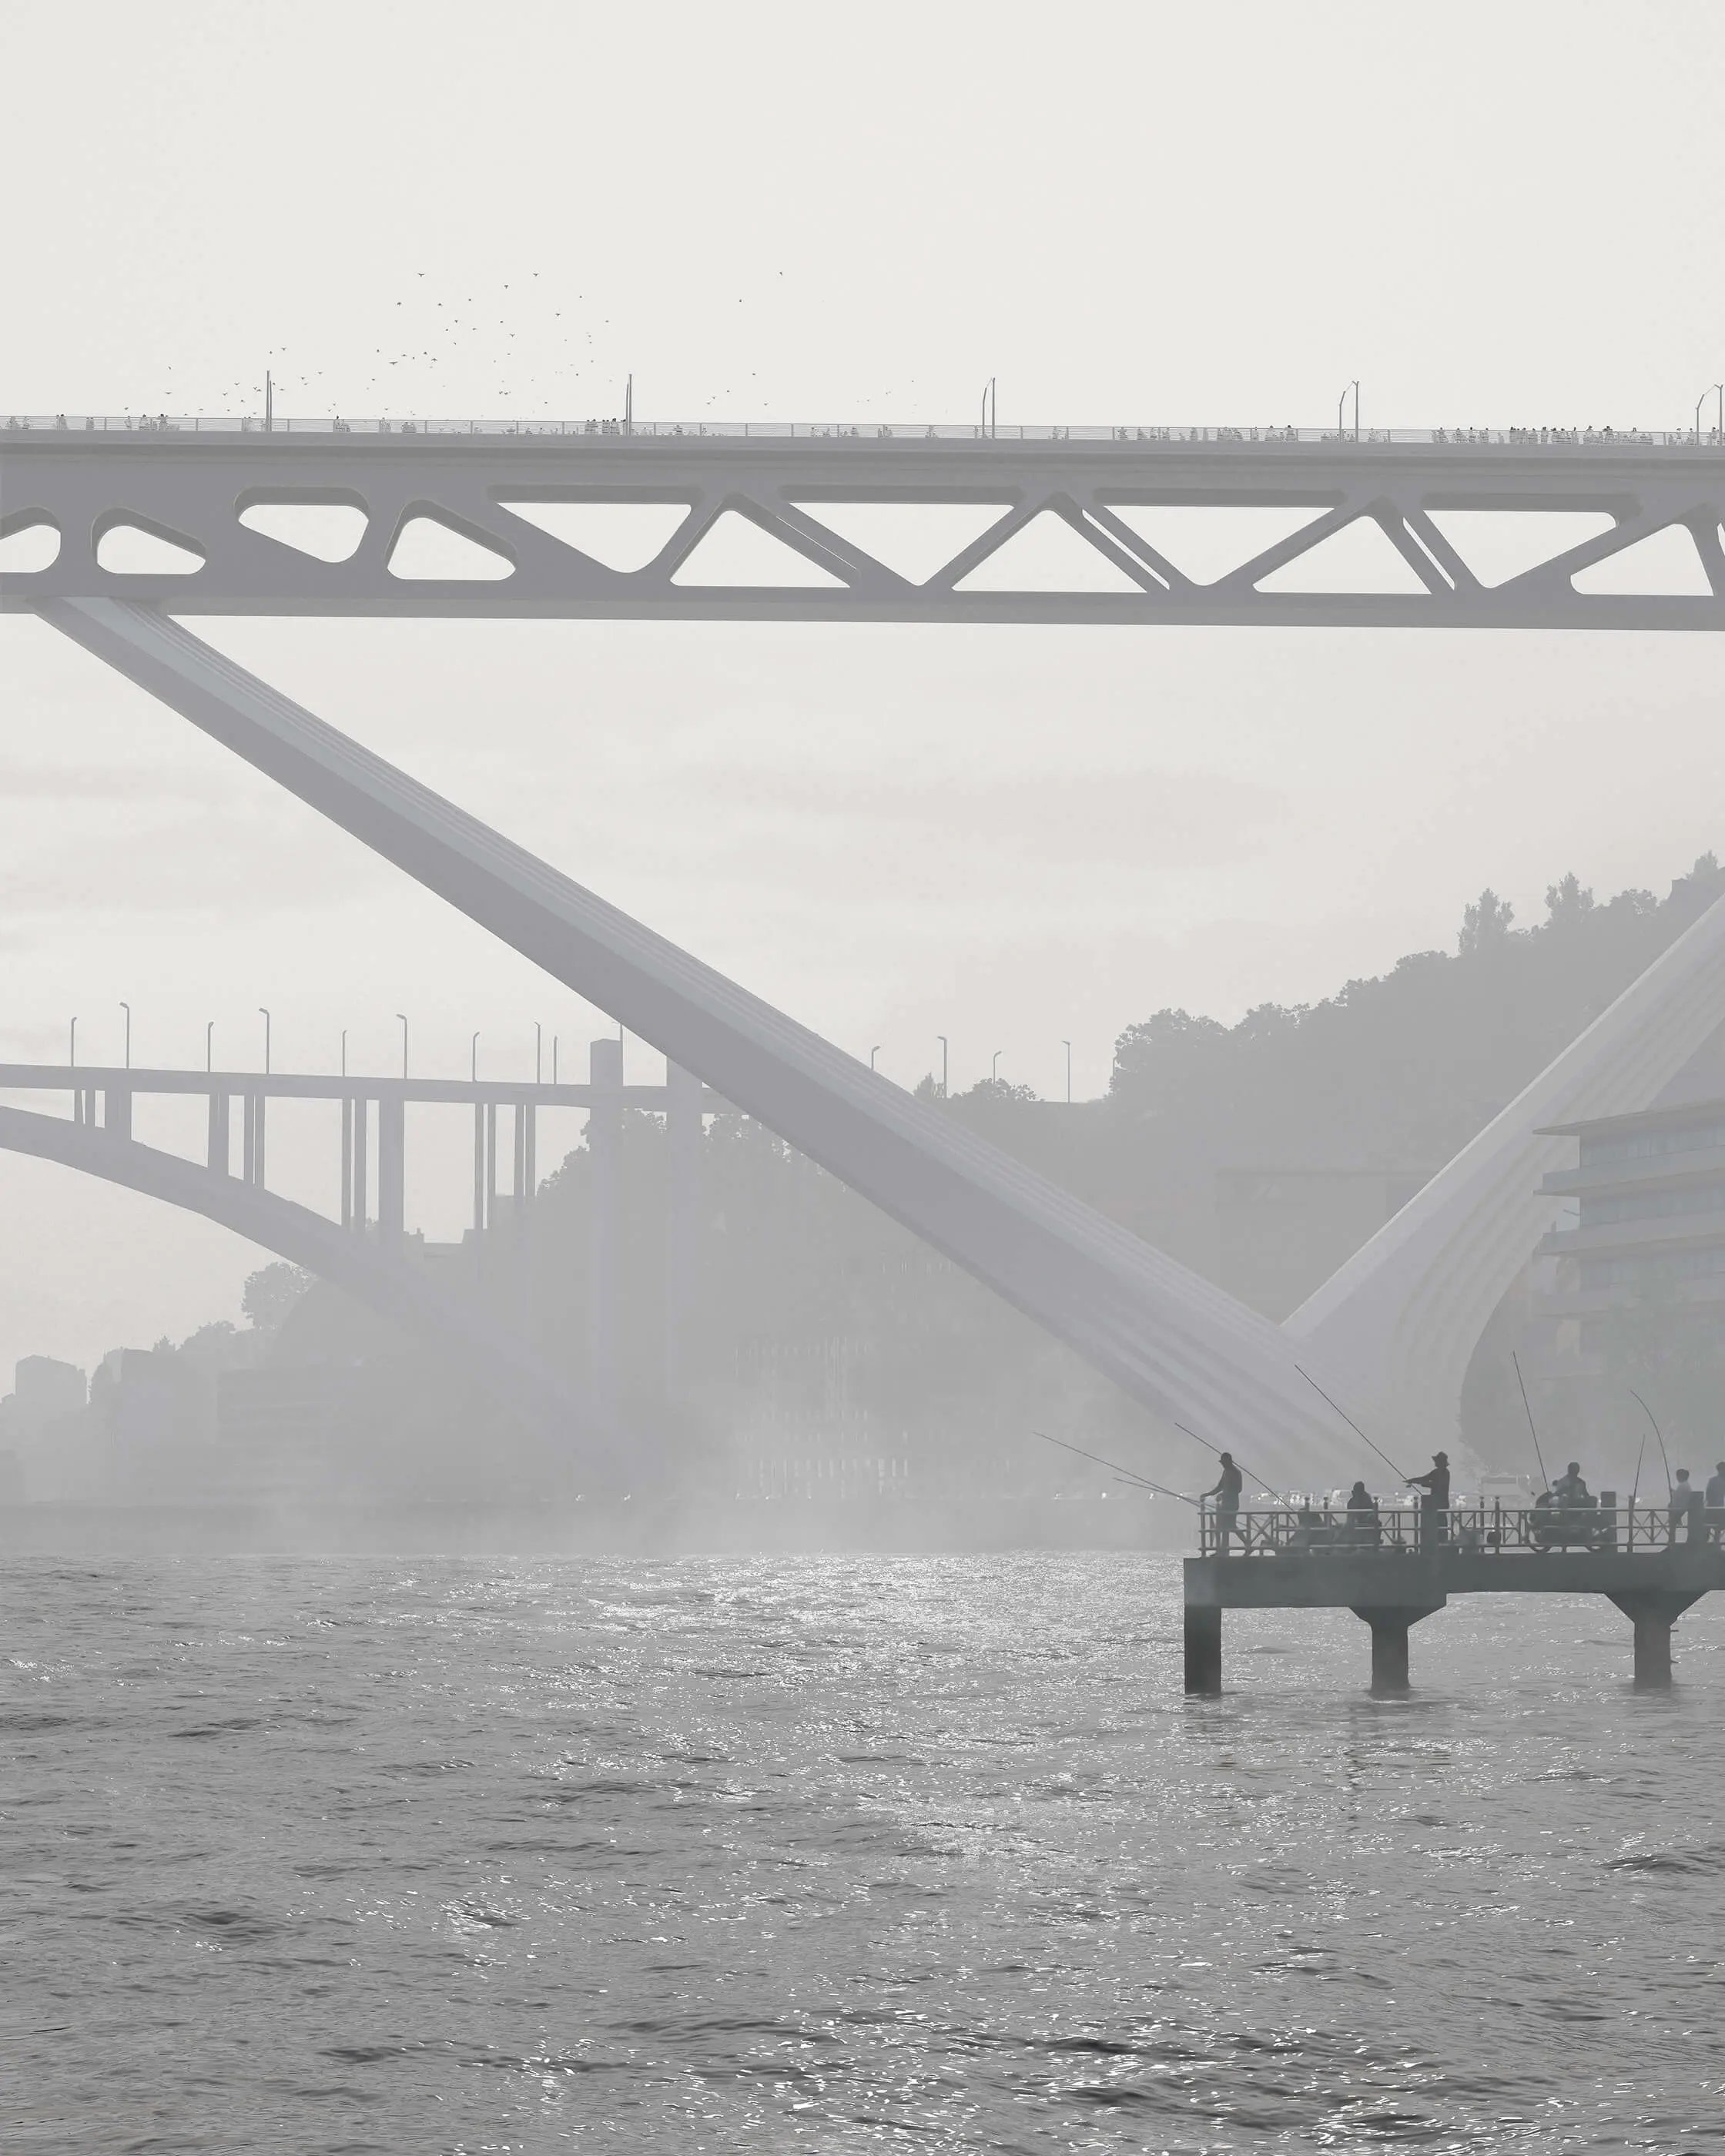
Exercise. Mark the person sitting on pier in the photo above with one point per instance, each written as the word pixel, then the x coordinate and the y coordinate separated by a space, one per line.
pixel 1226 1492
pixel 1569 1489
pixel 1434 1505
pixel 1365 1526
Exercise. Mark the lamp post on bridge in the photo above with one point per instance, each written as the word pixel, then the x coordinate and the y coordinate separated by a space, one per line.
pixel 1067 1045
pixel 265 1015
pixel 873 1053
pixel 209 1048
pixel 995 1067
pixel 127 1008
pixel 72 1048
pixel 473 1059
pixel 1342 407
pixel 941 1038
pixel 402 1016
pixel 344 1051
pixel 1714 389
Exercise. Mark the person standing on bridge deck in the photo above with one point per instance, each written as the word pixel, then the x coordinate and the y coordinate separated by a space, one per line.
pixel 1226 1492
pixel 1434 1505
pixel 1714 1515
pixel 1687 1508
pixel 1571 1495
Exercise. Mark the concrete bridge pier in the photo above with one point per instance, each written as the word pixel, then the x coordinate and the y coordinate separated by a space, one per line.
pixel 1390 1646
pixel 1653 1611
pixel 221 1144
pixel 1203 1650
pixel 683 1122
pixel 604 1300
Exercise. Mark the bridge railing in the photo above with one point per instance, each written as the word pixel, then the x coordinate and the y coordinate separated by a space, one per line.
pixel 1297 1530
pixel 869 431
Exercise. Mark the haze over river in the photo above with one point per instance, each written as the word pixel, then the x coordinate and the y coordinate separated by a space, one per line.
pixel 838 1854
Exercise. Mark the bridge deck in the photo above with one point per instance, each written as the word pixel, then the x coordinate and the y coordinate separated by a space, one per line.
pixel 1397 1578
pixel 192 487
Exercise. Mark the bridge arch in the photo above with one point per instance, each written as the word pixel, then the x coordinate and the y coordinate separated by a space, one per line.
pixel 508 1368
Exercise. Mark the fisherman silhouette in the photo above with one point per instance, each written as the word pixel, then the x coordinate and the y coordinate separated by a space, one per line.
pixel 1434 1505
pixel 1226 1492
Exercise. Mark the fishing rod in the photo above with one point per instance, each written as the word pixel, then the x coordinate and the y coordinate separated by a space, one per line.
pixel 1353 1425
pixel 1269 1487
pixel 1544 1479
pixel 1663 1453
pixel 1636 1486
pixel 1126 1474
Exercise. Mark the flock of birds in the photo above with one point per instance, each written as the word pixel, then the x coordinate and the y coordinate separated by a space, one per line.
pixel 524 346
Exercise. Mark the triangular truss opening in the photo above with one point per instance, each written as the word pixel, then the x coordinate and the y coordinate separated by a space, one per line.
pixel 1360 557
pixel 427 550
pixel 736 552
pixel 1206 541
pixel 1047 555
pixel 625 535
pixel 1664 564
pixel 128 549
pixel 1497 544
pixel 33 543
pixel 327 531
pixel 915 539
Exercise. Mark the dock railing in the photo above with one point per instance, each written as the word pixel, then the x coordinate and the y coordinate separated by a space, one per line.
pixel 1323 1525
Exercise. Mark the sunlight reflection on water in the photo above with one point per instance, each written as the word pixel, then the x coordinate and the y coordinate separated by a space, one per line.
pixel 840 1854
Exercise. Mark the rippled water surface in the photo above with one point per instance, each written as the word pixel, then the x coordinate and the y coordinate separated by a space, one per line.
pixel 838 1854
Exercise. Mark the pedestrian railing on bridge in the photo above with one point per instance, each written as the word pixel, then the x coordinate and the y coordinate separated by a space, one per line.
pixel 869 431
pixel 1295 1530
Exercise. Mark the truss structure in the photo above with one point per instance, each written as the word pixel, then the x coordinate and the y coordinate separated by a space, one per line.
pixel 494 497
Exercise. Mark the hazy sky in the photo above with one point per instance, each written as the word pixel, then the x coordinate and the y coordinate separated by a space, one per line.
pixel 1144 213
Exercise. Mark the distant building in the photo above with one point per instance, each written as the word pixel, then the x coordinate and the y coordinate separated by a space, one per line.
pixel 1645 1221
pixel 46 1404
pixel 45 1389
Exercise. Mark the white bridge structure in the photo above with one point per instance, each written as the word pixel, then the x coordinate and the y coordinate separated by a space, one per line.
pixel 1391 1335
pixel 1226 526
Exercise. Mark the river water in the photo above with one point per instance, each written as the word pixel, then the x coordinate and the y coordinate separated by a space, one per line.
pixel 838 1854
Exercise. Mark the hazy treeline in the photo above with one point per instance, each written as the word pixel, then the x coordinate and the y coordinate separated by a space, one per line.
pixel 819 1326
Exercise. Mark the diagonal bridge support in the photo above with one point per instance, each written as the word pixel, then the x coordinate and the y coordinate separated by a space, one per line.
pixel 1173 1342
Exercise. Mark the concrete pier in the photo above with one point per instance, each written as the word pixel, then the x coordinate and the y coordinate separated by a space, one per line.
pixel 1391 1589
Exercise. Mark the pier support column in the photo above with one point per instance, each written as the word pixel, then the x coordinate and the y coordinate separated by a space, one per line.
pixel 1204 1651
pixel 684 1122
pixel 221 1148
pixel 1653 1612
pixel 604 1146
pixel 392 1168
pixel 1389 1647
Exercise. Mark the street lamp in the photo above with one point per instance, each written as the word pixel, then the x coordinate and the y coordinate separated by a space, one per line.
pixel 873 1053
pixel 209 1050
pixel 995 1067
pixel 265 1015
pixel 473 1059
pixel 940 1038
pixel 127 1008
pixel 1709 391
pixel 402 1016
pixel 1342 406
pixel 72 1051
pixel 1067 1045
pixel 344 1051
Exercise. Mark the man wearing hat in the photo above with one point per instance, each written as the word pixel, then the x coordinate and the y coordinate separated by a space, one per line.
pixel 1434 1505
